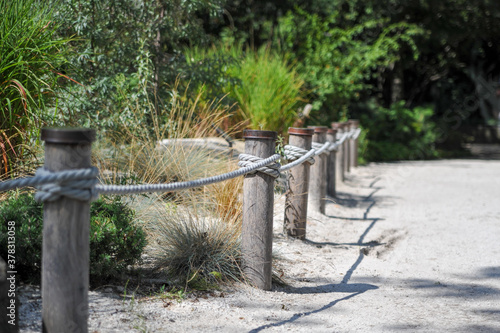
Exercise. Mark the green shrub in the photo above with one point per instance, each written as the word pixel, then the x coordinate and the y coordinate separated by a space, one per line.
pixel 398 133
pixel 115 241
pixel 267 89
pixel 28 217
pixel 270 91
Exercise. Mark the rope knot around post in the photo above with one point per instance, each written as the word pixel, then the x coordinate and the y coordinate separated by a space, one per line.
pixel 356 133
pixel 334 146
pixel 293 153
pixel 247 160
pixel 78 184
pixel 321 148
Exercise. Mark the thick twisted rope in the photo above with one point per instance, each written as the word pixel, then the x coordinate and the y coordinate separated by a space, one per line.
pixel 308 157
pixel 75 184
pixel 343 137
pixel 334 146
pixel 247 160
pixel 356 133
pixel 321 148
pixel 133 189
pixel 293 153
pixel 80 184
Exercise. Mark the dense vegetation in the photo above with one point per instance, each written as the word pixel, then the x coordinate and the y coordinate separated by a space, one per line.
pixel 115 240
pixel 341 56
pixel 414 73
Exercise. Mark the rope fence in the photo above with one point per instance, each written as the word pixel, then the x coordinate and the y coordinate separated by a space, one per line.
pixel 81 184
pixel 68 183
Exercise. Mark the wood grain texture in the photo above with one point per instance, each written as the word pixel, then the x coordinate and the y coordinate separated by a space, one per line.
pixel 257 224
pixel 65 254
pixel 340 160
pixel 347 152
pixel 297 194
pixel 331 167
pixel 317 181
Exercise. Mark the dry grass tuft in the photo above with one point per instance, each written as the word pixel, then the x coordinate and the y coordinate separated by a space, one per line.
pixel 195 249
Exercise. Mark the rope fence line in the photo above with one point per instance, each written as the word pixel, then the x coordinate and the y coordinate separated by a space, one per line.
pixel 71 190
pixel 81 184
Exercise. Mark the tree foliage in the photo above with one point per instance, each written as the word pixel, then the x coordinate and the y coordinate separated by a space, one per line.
pixel 339 62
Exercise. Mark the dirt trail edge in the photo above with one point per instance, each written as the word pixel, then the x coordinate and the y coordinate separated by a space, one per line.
pixel 411 246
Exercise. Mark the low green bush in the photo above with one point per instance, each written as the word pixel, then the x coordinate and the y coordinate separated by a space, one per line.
pixel 398 133
pixel 115 240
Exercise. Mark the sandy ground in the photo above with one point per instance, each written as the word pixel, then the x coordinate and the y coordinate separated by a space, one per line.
pixel 411 246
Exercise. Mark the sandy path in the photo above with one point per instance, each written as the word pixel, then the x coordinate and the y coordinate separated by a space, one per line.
pixel 406 247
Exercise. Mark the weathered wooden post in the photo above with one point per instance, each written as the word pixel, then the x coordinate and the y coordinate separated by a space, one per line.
pixel 258 203
pixel 340 176
pixel 65 250
pixel 347 153
pixel 317 181
pixel 331 136
pixel 298 182
pixel 354 144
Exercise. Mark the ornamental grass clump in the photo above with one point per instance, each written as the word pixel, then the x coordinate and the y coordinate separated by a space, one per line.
pixel 196 250
pixel 31 59
pixel 267 89
pixel 137 153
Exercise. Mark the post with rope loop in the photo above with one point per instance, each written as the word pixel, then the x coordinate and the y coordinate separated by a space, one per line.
pixel 258 204
pixel 331 136
pixel 339 167
pixel 66 224
pixel 347 148
pixel 298 186
pixel 354 143
pixel 317 183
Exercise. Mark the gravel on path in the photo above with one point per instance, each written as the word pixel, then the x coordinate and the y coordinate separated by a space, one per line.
pixel 410 246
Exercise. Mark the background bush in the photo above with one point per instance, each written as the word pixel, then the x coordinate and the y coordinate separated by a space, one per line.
pixel 115 240
pixel 398 132
pixel 267 89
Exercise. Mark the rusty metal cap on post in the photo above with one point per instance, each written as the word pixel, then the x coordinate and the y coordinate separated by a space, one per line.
pixel 331 131
pixel 319 129
pixel 257 134
pixel 301 131
pixel 68 135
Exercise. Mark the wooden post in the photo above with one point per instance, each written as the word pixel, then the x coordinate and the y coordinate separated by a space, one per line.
pixel 354 144
pixel 340 155
pixel 317 181
pixel 298 183
pixel 347 153
pixel 331 136
pixel 65 250
pixel 258 203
